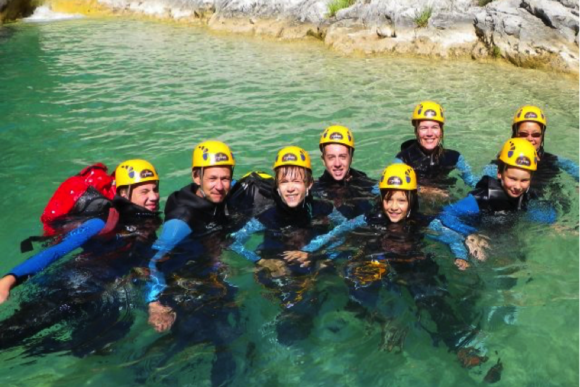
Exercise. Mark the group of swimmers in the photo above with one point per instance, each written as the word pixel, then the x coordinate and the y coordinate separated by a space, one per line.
pixel 304 222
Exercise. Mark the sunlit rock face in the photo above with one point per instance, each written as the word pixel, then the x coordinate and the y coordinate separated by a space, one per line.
pixel 528 33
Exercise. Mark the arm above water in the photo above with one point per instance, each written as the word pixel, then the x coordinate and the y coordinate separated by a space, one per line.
pixel 73 240
pixel 451 238
pixel 243 235
pixel 466 173
pixel 569 166
pixel 540 211
pixel 490 170
pixel 174 231
pixel 337 232
pixel 452 214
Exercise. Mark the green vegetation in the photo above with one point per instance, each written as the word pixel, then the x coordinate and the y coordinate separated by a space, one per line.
pixel 483 3
pixel 337 5
pixel 496 52
pixel 423 19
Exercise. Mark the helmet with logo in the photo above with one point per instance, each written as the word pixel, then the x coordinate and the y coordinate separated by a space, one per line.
pixel 520 153
pixel 292 155
pixel 212 154
pixel 398 176
pixel 134 172
pixel 428 110
pixel 529 113
pixel 337 134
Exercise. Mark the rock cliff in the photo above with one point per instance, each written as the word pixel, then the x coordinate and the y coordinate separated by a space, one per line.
pixel 527 33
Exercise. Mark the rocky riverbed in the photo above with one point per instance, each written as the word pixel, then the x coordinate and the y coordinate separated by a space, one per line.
pixel 528 33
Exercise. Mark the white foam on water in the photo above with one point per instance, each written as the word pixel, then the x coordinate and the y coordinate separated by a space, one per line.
pixel 45 14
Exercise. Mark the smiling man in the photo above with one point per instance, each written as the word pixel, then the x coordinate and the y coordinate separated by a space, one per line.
pixel 350 190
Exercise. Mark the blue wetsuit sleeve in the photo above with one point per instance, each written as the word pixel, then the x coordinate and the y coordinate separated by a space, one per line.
pixel 569 166
pixel 398 161
pixel 451 238
pixel 541 212
pixel 337 232
pixel 466 173
pixel 174 231
pixel 452 213
pixel 490 170
pixel 71 241
pixel 243 235
pixel 336 217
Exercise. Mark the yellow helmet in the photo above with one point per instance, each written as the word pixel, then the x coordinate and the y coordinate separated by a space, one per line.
pixel 292 155
pixel 212 154
pixel 428 110
pixel 529 113
pixel 520 153
pixel 133 172
pixel 398 176
pixel 337 134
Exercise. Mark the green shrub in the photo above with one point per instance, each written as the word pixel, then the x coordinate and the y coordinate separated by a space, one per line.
pixel 337 5
pixel 423 19
pixel 483 3
pixel 496 52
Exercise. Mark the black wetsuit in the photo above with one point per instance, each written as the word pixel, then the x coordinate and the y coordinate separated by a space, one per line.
pixel 431 169
pixel 196 289
pixel 351 196
pixel 90 294
pixel 288 229
pixel 400 264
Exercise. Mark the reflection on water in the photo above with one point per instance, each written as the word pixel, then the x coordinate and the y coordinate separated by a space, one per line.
pixel 81 91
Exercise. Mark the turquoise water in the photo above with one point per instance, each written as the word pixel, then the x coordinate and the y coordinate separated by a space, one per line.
pixel 76 92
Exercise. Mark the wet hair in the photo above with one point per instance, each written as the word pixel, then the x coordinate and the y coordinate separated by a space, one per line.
pixel 411 196
pixel 440 148
pixel 291 171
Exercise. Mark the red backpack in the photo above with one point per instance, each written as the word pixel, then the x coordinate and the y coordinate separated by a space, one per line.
pixel 87 194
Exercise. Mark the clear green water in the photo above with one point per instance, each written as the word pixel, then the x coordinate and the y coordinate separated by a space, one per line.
pixel 107 90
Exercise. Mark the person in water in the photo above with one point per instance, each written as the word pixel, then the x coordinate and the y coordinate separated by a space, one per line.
pixel 197 209
pixel 89 294
pixel 530 122
pixel 388 245
pixel 494 197
pixel 426 154
pixel 295 219
pixel 137 193
pixel 350 190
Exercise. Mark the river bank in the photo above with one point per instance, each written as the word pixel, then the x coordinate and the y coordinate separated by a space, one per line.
pixel 540 34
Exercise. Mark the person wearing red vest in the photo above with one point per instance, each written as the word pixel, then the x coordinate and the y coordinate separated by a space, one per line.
pixel 137 185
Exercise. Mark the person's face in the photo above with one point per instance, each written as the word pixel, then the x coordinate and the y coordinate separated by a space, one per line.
pixel 429 134
pixel 215 182
pixel 515 181
pixel 146 195
pixel 396 207
pixel 531 131
pixel 336 159
pixel 292 188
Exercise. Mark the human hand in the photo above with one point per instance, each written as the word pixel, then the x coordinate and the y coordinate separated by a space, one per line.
pixel 461 264
pixel 297 256
pixel 161 318
pixel 477 243
pixel 6 284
